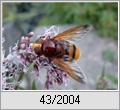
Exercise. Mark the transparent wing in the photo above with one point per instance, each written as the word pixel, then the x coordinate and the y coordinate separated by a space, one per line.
pixel 79 71
pixel 75 32
pixel 73 72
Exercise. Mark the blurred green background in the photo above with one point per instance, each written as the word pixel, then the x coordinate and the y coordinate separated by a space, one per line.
pixel 27 16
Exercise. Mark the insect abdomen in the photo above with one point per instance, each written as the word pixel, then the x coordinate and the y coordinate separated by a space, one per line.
pixel 72 52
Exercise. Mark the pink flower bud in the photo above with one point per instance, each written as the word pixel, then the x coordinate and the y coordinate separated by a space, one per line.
pixel 22 46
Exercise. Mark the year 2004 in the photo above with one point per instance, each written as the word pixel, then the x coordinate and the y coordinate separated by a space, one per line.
pixel 59 99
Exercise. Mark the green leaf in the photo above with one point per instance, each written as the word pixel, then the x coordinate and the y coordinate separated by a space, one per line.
pixel 10 80
pixel 21 76
pixel 20 88
pixel 112 78
pixel 30 68
pixel 34 85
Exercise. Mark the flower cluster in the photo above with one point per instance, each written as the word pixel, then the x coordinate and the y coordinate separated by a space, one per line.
pixel 22 60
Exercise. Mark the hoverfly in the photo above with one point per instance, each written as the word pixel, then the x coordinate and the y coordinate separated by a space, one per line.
pixel 60 51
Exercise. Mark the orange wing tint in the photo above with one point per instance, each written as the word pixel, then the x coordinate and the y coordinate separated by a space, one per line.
pixel 72 31
pixel 68 69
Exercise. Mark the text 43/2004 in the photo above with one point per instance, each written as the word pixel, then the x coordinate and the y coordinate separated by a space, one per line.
pixel 60 99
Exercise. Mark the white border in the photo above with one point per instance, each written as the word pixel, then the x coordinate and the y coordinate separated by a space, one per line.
pixel 61 90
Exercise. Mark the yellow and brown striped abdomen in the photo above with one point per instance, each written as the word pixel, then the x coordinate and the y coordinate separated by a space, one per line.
pixel 74 52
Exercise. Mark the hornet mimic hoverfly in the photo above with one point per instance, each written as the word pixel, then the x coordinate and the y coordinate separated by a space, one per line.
pixel 60 51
